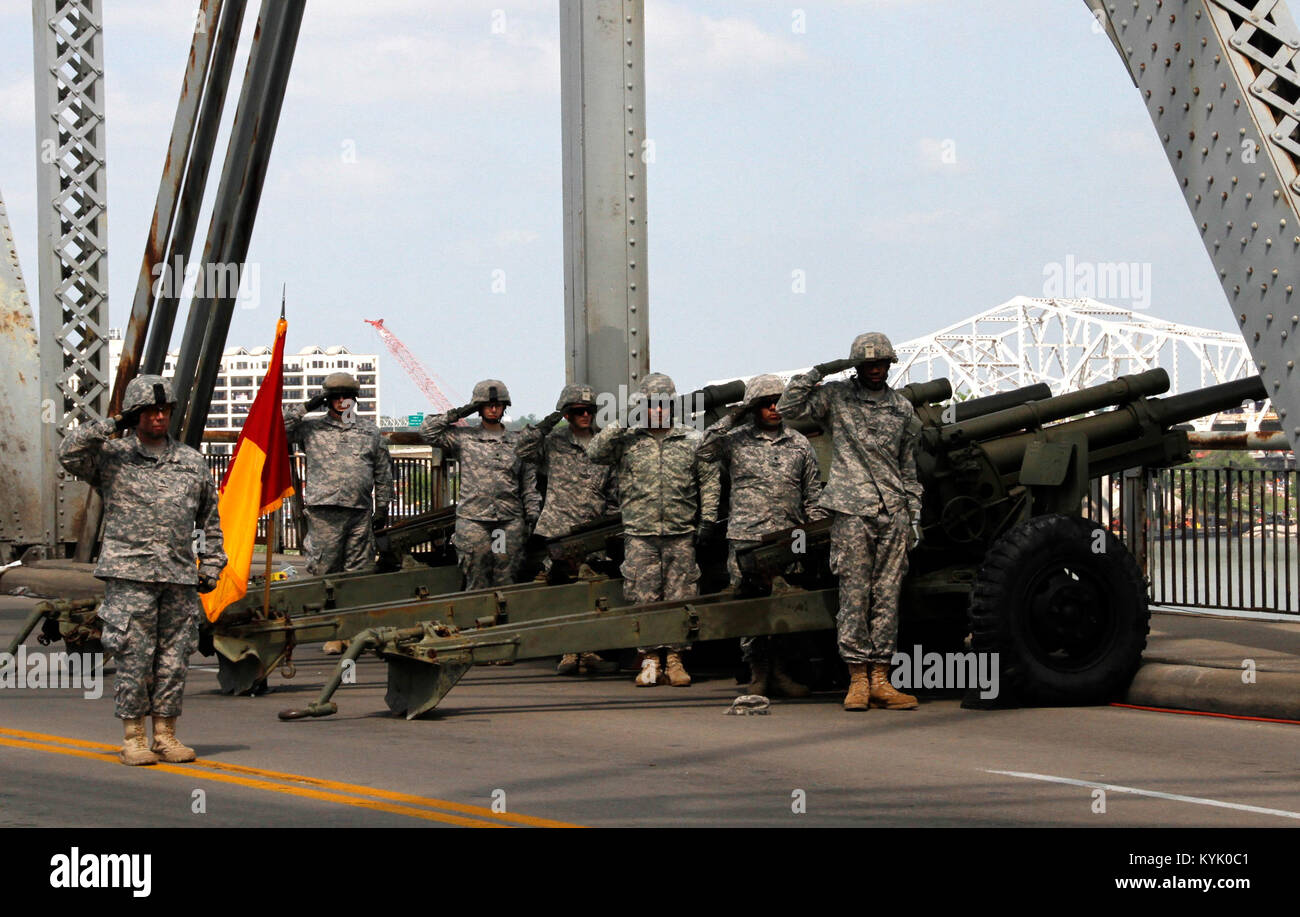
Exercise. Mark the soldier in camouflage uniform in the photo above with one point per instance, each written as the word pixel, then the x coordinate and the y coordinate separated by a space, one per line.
pixel 774 486
pixel 579 493
pixel 162 545
pixel 498 502
pixel 669 498
pixel 346 461
pixel 875 496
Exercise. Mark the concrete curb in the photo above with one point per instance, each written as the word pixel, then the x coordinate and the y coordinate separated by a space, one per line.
pixel 1193 687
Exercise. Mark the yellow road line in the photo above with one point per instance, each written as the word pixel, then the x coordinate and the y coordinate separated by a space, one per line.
pixel 211 770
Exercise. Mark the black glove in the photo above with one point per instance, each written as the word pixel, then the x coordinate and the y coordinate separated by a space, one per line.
pixel 834 366
pixel 380 519
pixel 707 533
pixel 126 420
pixel 740 411
pixel 207 583
pixel 317 402
pixel 550 420
pixel 465 410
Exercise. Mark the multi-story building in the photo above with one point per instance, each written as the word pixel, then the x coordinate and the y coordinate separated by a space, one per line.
pixel 241 373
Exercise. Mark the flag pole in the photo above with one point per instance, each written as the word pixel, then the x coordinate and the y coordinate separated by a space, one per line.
pixel 272 524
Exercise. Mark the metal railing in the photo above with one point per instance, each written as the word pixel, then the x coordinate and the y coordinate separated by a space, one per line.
pixel 1213 538
pixel 419 485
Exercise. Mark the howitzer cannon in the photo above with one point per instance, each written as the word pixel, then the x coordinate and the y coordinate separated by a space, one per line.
pixel 1005 555
pixel 250 645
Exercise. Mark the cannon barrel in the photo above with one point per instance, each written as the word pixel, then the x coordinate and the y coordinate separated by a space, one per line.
pixel 1188 406
pixel 1000 401
pixel 1032 415
pixel 721 394
pixel 1130 421
pixel 920 394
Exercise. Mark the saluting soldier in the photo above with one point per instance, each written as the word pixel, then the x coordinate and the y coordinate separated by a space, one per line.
pixel 347 461
pixel 875 497
pixel 579 493
pixel 498 501
pixel 774 486
pixel 162 546
pixel 669 499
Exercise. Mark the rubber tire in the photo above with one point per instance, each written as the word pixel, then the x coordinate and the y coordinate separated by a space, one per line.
pixel 1001 622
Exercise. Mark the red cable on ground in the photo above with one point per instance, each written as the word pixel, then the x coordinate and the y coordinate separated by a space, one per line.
pixel 1226 716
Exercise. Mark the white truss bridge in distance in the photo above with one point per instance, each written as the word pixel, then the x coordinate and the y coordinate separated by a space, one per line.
pixel 1072 344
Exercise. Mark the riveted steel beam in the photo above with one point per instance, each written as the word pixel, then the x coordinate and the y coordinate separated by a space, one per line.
pixel 606 153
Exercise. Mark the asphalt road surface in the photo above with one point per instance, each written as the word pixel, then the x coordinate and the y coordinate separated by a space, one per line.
pixel 520 746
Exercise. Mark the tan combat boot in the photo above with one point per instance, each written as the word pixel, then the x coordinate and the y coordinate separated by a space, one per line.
pixel 335 647
pixel 677 676
pixel 135 751
pixel 166 744
pixel 594 664
pixel 649 676
pixel 859 696
pixel 758 671
pixel 783 684
pixel 568 664
pixel 884 694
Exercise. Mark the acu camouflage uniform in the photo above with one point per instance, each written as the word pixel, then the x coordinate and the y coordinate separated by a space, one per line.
pixel 774 486
pixel 498 499
pixel 664 492
pixel 346 460
pixel 160 516
pixel 578 491
pixel 873 491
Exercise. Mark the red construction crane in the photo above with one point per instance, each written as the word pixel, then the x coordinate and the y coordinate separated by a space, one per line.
pixel 414 368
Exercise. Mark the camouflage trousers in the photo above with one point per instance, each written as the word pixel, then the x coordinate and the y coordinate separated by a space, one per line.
pixel 151 628
pixel 763 648
pixel 339 540
pixel 490 553
pixel 869 554
pixel 659 568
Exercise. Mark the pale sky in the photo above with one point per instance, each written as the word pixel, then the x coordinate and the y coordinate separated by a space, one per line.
pixel 917 160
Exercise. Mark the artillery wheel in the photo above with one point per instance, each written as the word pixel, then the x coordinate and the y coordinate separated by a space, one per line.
pixel 1064 604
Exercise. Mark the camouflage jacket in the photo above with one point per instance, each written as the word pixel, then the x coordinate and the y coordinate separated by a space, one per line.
pixel 873 440
pixel 664 489
pixel 160 511
pixel 346 460
pixel 495 484
pixel 578 491
pixel 774 478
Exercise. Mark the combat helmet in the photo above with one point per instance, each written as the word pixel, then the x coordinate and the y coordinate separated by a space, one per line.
pixel 657 384
pixel 146 392
pixel 573 393
pixel 872 346
pixel 342 385
pixel 763 386
pixel 490 390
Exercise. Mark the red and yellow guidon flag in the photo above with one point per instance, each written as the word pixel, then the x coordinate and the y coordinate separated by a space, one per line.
pixel 256 482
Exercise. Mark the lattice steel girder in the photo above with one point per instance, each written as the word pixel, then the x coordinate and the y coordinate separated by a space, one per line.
pixel 606 153
pixel 1220 83
pixel 20 408
pixel 72 244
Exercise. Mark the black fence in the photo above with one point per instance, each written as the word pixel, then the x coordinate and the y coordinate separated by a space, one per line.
pixel 1214 538
pixel 419 485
